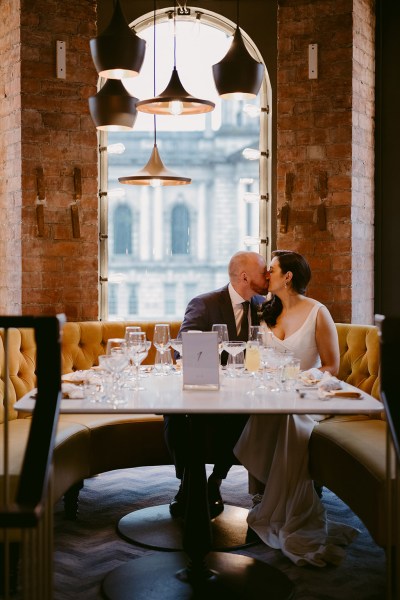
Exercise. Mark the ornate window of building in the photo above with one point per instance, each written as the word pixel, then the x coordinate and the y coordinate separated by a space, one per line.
pixel 175 247
pixel 122 230
pixel 112 300
pixel 180 229
pixel 169 299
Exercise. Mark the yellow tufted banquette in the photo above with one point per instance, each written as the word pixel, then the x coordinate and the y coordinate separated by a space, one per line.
pixel 346 454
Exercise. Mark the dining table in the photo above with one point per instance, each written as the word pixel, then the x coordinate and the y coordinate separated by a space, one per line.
pixel 199 572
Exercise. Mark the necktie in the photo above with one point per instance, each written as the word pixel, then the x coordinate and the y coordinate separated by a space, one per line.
pixel 244 325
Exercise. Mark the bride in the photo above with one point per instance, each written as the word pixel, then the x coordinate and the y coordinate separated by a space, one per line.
pixel 274 448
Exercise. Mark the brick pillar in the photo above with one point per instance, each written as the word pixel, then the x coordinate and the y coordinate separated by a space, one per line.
pixel 325 148
pixel 48 126
pixel 10 164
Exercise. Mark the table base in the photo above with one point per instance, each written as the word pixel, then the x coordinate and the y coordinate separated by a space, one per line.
pixel 164 576
pixel 154 527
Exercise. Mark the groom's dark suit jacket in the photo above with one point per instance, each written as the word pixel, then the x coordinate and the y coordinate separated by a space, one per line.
pixel 207 309
pixel 201 314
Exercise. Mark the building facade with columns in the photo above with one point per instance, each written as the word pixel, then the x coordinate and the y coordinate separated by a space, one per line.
pixel 168 244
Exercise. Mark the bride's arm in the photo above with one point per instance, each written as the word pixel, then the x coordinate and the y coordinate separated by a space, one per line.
pixel 327 341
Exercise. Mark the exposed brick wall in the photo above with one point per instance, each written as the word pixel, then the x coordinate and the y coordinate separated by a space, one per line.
pixel 58 273
pixel 10 166
pixel 322 138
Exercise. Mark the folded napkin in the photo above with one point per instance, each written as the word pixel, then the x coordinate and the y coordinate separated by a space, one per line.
pixel 72 391
pixel 332 387
pixel 74 377
pixel 311 377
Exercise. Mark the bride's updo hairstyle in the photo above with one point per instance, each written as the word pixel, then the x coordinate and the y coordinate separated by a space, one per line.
pixel 301 275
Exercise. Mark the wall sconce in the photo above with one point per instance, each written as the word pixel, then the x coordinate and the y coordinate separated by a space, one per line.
pixel 253 154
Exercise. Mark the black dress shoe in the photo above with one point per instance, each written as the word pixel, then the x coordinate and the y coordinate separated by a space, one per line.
pixel 215 502
pixel 177 506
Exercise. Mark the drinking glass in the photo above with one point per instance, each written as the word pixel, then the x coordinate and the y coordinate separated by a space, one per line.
pixel 114 363
pixel 292 370
pixel 163 363
pixel 233 349
pixel 161 337
pixel 235 365
pixel 130 337
pixel 255 330
pixel 176 344
pixel 222 331
pixel 138 349
pixel 130 329
pixel 115 343
pixel 253 361
pixel 277 361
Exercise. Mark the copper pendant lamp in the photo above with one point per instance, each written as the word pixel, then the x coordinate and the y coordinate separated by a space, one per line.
pixel 113 108
pixel 118 52
pixel 175 100
pixel 155 173
pixel 238 75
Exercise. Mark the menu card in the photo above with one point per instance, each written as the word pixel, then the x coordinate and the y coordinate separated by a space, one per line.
pixel 200 360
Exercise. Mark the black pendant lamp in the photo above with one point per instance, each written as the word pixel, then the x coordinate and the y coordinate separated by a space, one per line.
pixel 113 108
pixel 175 100
pixel 118 52
pixel 238 75
pixel 155 173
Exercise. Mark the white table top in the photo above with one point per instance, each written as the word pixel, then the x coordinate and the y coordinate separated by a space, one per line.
pixel 164 394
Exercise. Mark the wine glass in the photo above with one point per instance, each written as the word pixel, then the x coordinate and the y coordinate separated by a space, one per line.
pixel 176 344
pixel 233 348
pixel 114 363
pixel 130 329
pixel 161 337
pixel 115 343
pixel 222 331
pixel 255 330
pixel 138 349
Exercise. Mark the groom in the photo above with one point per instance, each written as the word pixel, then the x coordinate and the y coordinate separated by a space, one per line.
pixel 236 305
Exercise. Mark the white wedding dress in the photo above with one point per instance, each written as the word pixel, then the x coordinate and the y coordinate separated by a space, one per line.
pixel 274 449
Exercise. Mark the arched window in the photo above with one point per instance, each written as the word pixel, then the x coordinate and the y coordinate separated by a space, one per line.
pixel 180 229
pixel 199 229
pixel 123 230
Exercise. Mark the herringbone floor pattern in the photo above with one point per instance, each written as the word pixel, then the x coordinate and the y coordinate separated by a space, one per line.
pixel 88 549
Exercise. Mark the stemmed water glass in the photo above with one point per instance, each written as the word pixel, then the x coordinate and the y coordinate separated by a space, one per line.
pixel 161 337
pixel 115 343
pixel 234 348
pixel 222 331
pixel 114 363
pixel 176 344
pixel 131 329
pixel 138 349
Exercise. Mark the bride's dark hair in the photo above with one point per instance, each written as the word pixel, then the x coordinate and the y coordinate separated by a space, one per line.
pixel 301 275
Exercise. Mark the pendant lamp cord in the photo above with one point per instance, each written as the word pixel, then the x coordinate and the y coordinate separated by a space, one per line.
pixel 174 34
pixel 237 13
pixel 154 70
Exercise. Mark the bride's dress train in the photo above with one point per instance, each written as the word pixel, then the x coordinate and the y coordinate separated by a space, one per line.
pixel 290 516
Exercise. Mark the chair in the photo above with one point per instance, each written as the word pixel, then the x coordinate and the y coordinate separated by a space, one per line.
pixel 390 391
pixel 26 514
